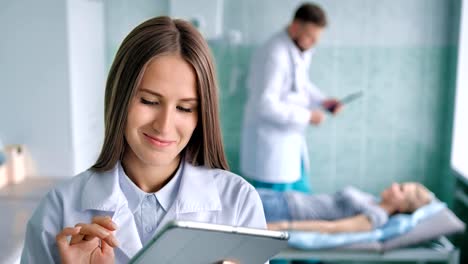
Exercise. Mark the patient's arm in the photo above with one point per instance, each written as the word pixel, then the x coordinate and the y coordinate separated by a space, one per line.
pixel 358 223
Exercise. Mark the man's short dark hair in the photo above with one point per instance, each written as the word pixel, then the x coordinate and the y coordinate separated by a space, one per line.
pixel 311 13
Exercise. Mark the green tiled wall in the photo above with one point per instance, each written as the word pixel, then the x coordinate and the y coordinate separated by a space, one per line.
pixel 397 132
pixel 401 53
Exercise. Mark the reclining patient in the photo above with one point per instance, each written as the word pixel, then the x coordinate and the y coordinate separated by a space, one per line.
pixel 348 210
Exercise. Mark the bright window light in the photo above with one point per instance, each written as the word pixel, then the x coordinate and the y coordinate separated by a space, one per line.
pixel 460 131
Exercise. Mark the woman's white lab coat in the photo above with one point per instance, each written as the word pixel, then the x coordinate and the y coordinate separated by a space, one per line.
pixel 205 195
pixel 278 110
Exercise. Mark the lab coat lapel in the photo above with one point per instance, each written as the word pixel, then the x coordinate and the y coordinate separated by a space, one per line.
pixel 102 192
pixel 299 65
pixel 197 197
pixel 127 233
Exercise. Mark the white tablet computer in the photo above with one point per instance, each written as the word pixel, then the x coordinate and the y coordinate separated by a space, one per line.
pixel 202 243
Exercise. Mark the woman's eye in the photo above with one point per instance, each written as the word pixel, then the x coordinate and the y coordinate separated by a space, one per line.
pixel 183 109
pixel 146 102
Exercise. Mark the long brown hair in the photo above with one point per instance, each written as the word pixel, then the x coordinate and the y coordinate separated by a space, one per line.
pixel 157 37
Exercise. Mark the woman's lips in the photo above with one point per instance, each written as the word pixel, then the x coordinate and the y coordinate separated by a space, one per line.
pixel 158 142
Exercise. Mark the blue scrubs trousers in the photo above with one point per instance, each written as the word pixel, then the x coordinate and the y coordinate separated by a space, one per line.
pixel 302 185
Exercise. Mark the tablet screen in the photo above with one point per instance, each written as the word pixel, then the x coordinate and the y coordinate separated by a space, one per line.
pixel 192 242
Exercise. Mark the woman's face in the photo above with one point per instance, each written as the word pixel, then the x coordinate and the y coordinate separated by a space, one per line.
pixel 164 112
pixel 400 194
pixel 393 194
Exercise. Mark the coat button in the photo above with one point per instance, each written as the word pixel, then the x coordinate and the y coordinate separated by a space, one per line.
pixel 148 229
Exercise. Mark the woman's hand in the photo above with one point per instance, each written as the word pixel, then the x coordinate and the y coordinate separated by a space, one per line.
pixel 90 243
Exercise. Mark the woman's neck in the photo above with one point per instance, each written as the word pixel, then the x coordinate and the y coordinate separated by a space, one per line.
pixel 147 177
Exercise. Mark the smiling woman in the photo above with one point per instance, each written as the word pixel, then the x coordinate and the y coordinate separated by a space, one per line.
pixel 162 157
pixel 161 119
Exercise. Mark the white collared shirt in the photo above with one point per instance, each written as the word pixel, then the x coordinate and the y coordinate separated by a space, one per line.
pixel 204 195
pixel 149 208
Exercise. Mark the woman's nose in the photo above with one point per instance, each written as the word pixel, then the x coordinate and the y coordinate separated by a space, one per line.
pixel 163 121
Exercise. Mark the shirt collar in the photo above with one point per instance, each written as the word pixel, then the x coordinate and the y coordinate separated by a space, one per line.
pixel 134 195
pixel 167 195
pixel 196 190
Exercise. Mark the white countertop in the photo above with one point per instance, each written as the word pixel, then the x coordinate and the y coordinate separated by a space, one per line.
pixel 17 202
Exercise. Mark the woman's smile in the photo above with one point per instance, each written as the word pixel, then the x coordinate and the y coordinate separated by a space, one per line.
pixel 158 142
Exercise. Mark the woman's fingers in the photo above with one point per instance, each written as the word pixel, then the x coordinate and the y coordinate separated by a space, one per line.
pixel 106 249
pixel 111 240
pixel 94 230
pixel 76 238
pixel 105 221
pixel 61 238
pixel 102 227
pixel 91 231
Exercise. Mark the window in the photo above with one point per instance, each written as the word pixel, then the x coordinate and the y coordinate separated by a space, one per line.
pixel 460 130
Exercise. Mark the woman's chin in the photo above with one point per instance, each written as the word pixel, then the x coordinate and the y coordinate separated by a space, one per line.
pixel 160 159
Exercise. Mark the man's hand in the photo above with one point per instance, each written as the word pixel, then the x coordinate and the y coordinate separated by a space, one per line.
pixel 316 117
pixel 332 105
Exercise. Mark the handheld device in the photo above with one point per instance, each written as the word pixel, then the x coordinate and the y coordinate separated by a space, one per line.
pixel 201 243
pixel 346 100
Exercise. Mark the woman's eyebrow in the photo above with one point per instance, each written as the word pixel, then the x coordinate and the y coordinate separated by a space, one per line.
pixel 160 95
pixel 151 92
pixel 189 99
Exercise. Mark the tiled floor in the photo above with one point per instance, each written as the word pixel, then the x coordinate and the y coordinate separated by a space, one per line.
pixel 17 203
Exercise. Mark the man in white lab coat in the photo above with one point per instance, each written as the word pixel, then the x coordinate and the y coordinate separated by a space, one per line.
pixel 282 103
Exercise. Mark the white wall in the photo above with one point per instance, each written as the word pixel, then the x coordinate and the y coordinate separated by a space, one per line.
pixel 52 70
pixel 34 82
pixel 121 16
pixel 460 131
pixel 86 51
